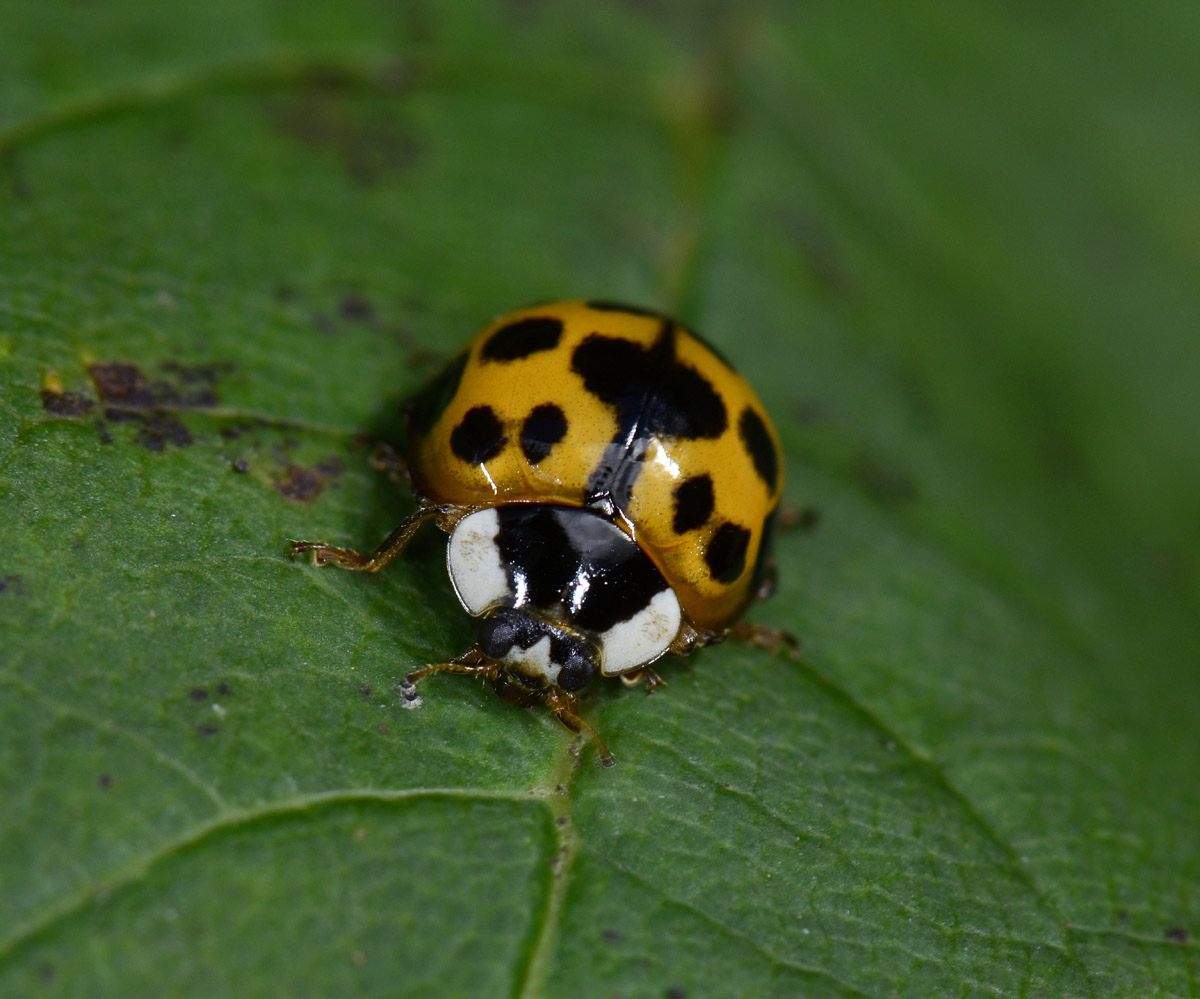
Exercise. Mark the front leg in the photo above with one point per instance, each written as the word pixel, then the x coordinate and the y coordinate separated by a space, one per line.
pixel 388 549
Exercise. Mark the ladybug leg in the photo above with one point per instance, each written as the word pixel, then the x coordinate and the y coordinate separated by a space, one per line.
pixel 386 458
pixel 388 549
pixel 471 663
pixel 644 674
pixel 774 640
pixel 566 707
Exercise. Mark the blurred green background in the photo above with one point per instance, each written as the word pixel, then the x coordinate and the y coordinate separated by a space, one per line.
pixel 956 249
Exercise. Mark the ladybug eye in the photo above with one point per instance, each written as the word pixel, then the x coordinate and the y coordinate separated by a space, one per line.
pixel 578 665
pixel 501 630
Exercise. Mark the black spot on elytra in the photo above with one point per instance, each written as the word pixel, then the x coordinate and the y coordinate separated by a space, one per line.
pixel 693 503
pixel 653 394
pixel 479 437
pixel 427 406
pixel 760 447
pixel 544 427
pixel 726 552
pixel 522 338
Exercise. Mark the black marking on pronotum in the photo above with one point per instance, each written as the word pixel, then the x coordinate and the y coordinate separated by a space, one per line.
pixel 479 437
pixel 427 407
pixel 544 427
pixel 726 552
pixel 693 503
pixel 761 449
pixel 522 338
pixel 653 394
pixel 559 557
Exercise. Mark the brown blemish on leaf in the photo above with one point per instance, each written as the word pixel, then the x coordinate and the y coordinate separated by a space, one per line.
pixel 123 385
pixel 68 404
pixel 1177 934
pixel 105 781
pixel 301 485
pixel 371 147
pixel 206 730
pixel 884 481
pixel 12 586
pixel 130 397
pixel 160 429
pixel 356 309
pixel 198 694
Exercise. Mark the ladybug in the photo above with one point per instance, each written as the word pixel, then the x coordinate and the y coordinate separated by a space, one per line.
pixel 609 484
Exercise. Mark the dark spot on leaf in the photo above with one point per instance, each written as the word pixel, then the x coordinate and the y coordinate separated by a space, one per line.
pixel 102 431
pixel 356 309
pixel 68 404
pixel 1177 934
pixel 813 242
pixel 807 411
pixel 675 992
pixel 46 972
pixel 798 518
pixel 612 936
pixel 372 140
pixel 1122 915
pixel 240 465
pixel 198 694
pixel 206 730
pixel 884 481
pixel 383 728
pixel 12 586
pixel 562 820
pixel 160 429
pixel 105 781
pixel 223 689
pixel 123 384
pixel 301 484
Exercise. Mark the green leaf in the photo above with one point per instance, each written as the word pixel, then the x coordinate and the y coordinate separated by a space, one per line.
pixel 954 249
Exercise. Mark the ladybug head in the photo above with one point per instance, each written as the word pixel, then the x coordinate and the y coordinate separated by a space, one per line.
pixel 538 651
